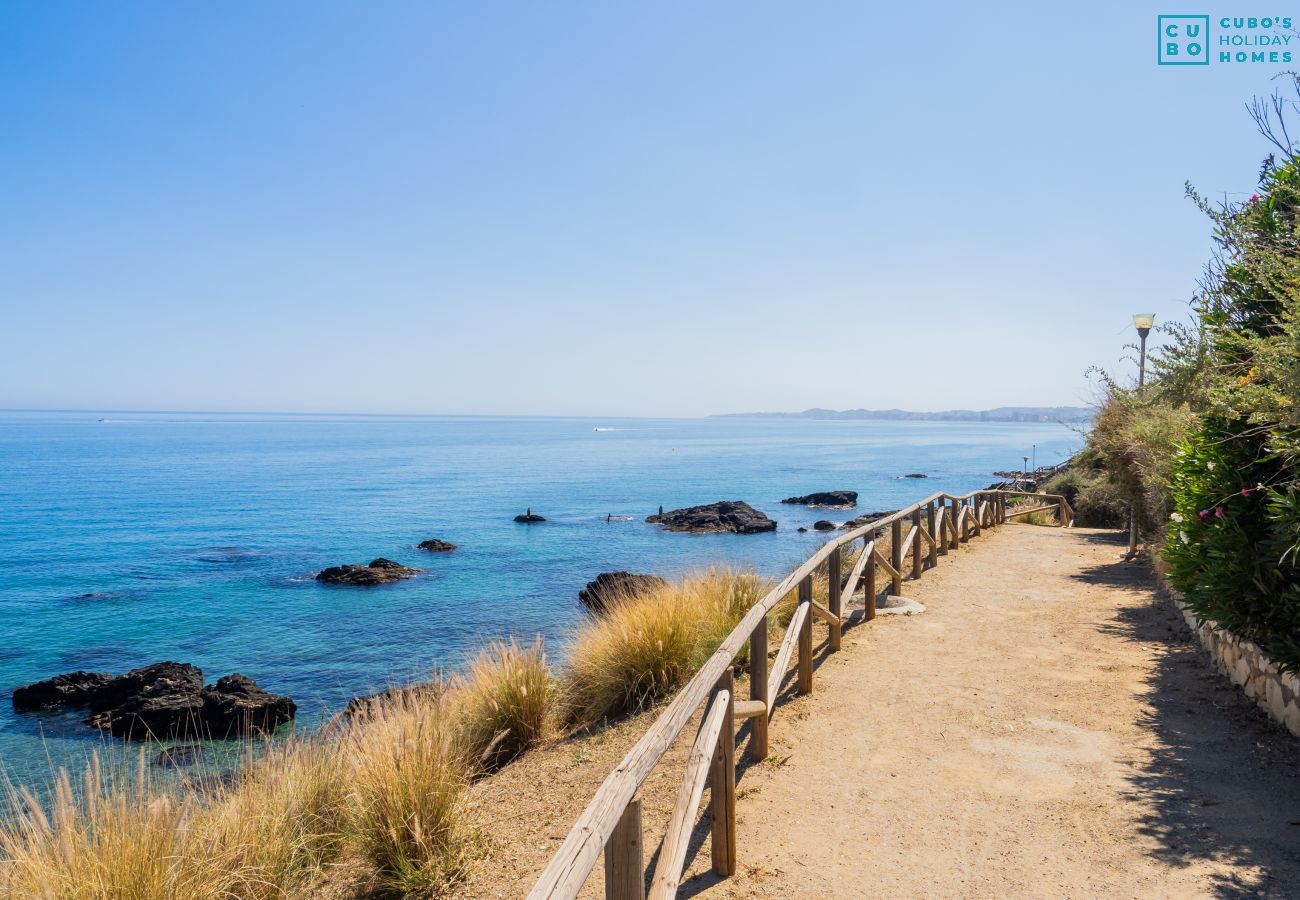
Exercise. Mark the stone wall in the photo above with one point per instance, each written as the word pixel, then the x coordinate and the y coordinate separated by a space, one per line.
pixel 1242 661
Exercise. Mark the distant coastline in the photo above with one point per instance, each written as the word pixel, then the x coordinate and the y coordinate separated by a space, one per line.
pixel 1065 414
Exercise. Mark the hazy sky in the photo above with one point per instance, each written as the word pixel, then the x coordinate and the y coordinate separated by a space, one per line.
pixel 604 208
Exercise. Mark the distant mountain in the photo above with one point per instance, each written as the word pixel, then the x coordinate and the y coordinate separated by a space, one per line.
pixel 1069 414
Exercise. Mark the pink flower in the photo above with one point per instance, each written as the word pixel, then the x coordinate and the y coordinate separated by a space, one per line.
pixel 1254 197
pixel 1203 515
pixel 1218 513
pixel 1245 492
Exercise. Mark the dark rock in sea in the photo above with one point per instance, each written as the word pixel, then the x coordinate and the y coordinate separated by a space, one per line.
pixel 612 585
pixel 163 700
pixel 433 545
pixel 365 702
pixel 379 571
pixel 70 689
pixel 179 757
pixel 801 529
pixel 829 499
pixel 823 525
pixel 237 705
pixel 725 515
pixel 529 517
pixel 866 519
pixel 916 475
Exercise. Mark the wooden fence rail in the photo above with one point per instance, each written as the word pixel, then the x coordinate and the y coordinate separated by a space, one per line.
pixel 611 823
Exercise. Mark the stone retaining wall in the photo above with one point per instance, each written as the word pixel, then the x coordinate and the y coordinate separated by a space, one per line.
pixel 1242 661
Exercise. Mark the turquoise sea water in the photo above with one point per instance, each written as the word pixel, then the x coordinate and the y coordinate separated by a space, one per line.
pixel 129 538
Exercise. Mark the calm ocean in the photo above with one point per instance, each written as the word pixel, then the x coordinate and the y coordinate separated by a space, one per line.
pixel 130 538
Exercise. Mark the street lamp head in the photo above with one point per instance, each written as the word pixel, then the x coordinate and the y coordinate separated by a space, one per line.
pixel 1143 322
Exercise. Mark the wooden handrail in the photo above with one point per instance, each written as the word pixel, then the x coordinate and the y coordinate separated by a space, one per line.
pixel 569 868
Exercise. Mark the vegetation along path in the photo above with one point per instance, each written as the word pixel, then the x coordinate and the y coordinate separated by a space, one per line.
pixel 1047 728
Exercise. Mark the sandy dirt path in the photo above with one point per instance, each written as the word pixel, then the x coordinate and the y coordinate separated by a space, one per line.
pixel 1046 729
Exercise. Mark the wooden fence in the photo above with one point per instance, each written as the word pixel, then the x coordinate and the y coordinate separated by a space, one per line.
pixel 611 823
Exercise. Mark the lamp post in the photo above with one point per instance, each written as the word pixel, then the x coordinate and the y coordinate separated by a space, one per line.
pixel 1024 469
pixel 1142 322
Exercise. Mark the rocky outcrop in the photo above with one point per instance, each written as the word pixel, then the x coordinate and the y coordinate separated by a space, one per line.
pixel 237 705
pixel 828 499
pixel 164 700
pixel 823 525
pixel 530 517
pixel 368 702
pixel 612 585
pixel 379 571
pixel 867 519
pixel 71 689
pixel 725 515
pixel 434 545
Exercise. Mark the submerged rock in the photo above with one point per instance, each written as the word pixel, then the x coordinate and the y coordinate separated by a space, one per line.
pixel 179 757
pixel 611 585
pixel 829 499
pixel 823 525
pixel 434 545
pixel 916 475
pixel 164 700
pixel 70 689
pixel 726 515
pixel 379 571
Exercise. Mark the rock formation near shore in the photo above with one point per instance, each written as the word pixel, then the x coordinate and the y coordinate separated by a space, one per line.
pixel 611 585
pixel 866 519
pixel 162 700
pixel 828 499
pixel 70 689
pixel 434 545
pixel 379 571
pixel 823 525
pixel 726 515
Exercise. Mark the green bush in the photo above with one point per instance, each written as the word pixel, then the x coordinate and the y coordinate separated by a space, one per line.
pixel 1232 535
pixel 1097 503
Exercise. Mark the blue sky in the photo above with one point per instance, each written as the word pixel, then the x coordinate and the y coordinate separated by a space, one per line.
pixel 641 209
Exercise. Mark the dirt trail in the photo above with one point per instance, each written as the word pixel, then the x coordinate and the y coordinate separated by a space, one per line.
pixel 1046 729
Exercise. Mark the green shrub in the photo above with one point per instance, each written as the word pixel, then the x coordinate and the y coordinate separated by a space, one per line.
pixel 1232 535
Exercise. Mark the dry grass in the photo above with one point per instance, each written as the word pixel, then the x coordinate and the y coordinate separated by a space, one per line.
pixel 386 791
pixel 646 645
pixel 503 706
pixel 408 779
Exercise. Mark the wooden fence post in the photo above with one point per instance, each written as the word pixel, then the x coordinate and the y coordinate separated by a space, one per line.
pixel 917 543
pixel 805 639
pixel 758 689
pixel 869 579
pixel 934 534
pixel 896 556
pixel 975 519
pixel 624 864
pixel 834 601
pixel 722 786
pixel 954 537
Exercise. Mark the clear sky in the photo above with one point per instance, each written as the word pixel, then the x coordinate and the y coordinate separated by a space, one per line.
pixel 602 208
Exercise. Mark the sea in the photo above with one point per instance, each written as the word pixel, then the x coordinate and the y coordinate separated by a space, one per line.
pixel 131 538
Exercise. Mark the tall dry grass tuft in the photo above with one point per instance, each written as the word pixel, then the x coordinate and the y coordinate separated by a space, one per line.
pixel 283 820
pixel 504 703
pixel 108 838
pixel 646 645
pixel 408 780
